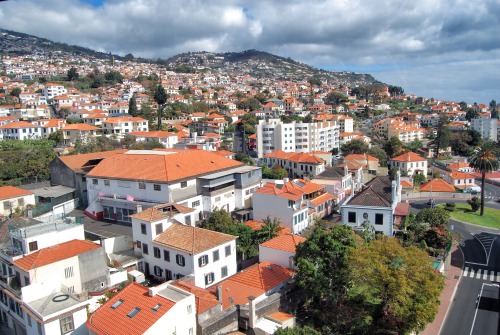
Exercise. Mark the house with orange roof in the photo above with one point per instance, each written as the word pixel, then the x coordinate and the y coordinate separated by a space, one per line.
pixel 437 185
pixel 294 202
pixel 20 130
pixel 163 309
pixel 460 166
pixel 199 179
pixel 339 181
pixel 51 90
pixel 172 247
pixel 207 141
pixel 409 164
pixel 280 250
pixel 369 163
pixel 7 119
pixel 14 199
pixel 298 165
pixel 78 132
pixel 50 287
pixel 122 125
pixel 462 180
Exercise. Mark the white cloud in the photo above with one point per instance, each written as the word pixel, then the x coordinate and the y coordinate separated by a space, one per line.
pixel 388 33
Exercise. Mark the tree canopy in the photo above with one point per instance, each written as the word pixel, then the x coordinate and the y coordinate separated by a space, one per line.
pixel 354 147
pixel 433 216
pixel 484 160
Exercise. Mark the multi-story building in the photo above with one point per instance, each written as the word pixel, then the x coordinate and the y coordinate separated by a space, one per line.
pixel 405 133
pixel 20 130
pixel 172 247
pixel 120 126
pixel 409 164
pixel 273 134
pixel 78 132
pixel 52 90
pixel 294 202
pixel 198 179
pixel 14 199
pixel 298 165
pixel 487 126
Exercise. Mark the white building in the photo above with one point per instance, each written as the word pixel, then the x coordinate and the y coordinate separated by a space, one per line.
pixel 198 179
pixel 273 134
pixel 20 130
pixel 374 205
pixel 409 164
pixel 52 90
pixel 120 126
pixel 172 248
pixel 164 309
pixel 295 203
pixel 14 199
pixel 487 127
pixel 280 250
pixel 297 164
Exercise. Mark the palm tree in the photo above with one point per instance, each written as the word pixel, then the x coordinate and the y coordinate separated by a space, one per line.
pixel 270 229
pixel 484 160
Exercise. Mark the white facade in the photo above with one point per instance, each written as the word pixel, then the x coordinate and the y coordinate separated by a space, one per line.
pixel 487 127
pixel 275 256
pixel 296 137
pixel 51 91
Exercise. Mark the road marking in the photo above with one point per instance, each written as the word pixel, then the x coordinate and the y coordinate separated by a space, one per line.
pixel 498 276
pixel 478 274
pixel 466 271
pixel 472 273
pixel 492 275
pixel 485 274
pixel 482 264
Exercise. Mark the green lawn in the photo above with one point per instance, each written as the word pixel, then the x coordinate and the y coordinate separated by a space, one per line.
pixel 491 217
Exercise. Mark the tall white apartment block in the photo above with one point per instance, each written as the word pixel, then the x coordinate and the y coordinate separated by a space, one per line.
pixel 273 135
pixel 488 127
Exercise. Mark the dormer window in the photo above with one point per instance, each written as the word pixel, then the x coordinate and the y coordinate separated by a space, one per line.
pixel 117 304
pixel 133 312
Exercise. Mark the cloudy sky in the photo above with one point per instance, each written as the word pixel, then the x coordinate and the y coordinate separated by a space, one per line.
pixel 446 49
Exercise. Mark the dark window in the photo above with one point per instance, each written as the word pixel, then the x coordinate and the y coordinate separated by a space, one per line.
pixel 33 246
pixel 143 229
pixel 168 274
pixel 203 260
pixel 116 304
pixel 166 255
pixel 134 312
pixel 351 217
pixel 223 271
pixel 216 255
pixel 157 252
pixel 142 186
pixel 94 181
pixel 180 260
pixel 379 219
pixel 158 271
pixel 106 182
pixel 184 184
pixel 228 250
pixel 145 249
pixel 139 244
pixel 157 187
pixel 159 228
pixel 209 278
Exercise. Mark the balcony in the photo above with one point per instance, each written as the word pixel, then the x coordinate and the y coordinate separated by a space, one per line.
pixel 10 253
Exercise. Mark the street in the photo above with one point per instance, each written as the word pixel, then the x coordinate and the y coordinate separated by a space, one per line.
pixel 475 309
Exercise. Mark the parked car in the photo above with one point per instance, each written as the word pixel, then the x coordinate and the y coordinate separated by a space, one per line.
pixel 473 190
pixel 431 202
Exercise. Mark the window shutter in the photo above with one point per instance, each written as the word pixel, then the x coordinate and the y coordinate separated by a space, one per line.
pixel 199 261
pixel 206 280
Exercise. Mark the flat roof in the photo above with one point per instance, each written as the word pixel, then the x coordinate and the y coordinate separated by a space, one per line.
pixel 239 169
pixel 53 191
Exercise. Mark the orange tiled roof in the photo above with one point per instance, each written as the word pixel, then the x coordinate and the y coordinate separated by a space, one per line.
pixel 107 321
pixel 18 125
pixel 408 157
pixel 54 254
pixel 253 281
pixel 322 199
pixel 460 175
pixel 458 165
pixel 76 162
pixel 406 184
pixel 257 225
pixel 286 242
pixel 160 212
pixel 437 185
pixel 360 157
pixel 7 192
pixel 178 164
pixel 80 126
pixel 203 298
pixel 191 240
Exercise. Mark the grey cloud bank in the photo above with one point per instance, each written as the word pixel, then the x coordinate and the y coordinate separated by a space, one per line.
pixel 448 50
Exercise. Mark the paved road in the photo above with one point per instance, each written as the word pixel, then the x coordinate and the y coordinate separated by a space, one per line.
pixel 475 309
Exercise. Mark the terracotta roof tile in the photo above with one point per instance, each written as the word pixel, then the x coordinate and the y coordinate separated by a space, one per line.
pixel 107 321
pixel 161 212
pixel 7 192
pixel 149 165
pixel 286 242
pixel 204 299
pixel 76 162
pixel 408 157
pixel 192 240
pixel 437 185
pixel 54 254
pixel 257 225
pixel 322 199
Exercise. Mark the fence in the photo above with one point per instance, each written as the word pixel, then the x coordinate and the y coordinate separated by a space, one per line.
pixel 436 195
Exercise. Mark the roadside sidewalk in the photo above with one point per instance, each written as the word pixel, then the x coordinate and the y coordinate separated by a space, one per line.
pixel 453 275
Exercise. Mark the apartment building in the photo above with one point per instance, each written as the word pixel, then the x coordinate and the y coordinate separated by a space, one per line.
pixel 120 126
pixel 273 134
pixel 20 130
pixel 294 202
pixel 198 179
pixel 409 164
pixel 298 165
pixel 487 127
pixel 52 90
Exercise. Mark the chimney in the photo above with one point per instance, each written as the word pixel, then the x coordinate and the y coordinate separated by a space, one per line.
pixel 138 208
pixel 252 316
pixel 286 180
pixel 219 293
